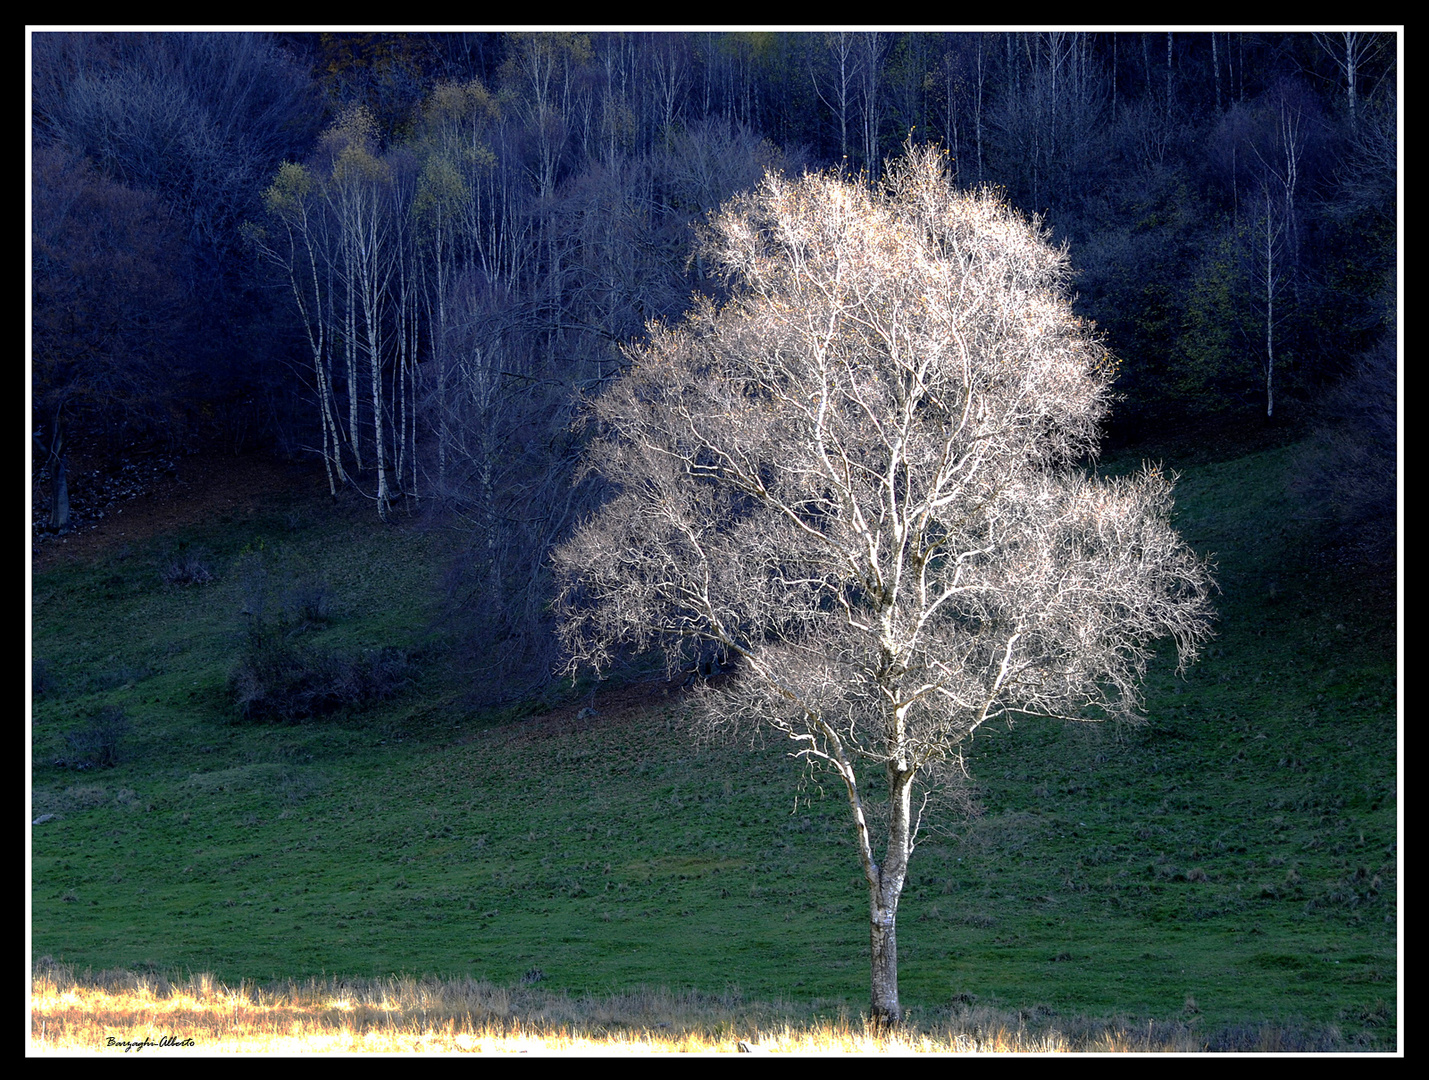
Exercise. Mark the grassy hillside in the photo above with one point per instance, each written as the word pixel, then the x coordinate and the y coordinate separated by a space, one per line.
pixel 1231 863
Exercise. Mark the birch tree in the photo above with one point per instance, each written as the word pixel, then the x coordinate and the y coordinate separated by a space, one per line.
pixel 840 50
pixel 1351 51
pixel 873 53
pixel 1275 235
pixel 359 195
pixel 1269 274
pixel 854 480
pixel 298 242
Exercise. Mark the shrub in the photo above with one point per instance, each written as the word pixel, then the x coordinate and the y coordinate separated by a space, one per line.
pixel 186 568
pixel 1347 473
pixel 97 744
pixel 113 678
pixel 41 680
pixel 308 603
pixel 279 680
pixel 385 672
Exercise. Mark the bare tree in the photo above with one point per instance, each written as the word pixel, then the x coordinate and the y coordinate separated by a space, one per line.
pixel 840 51
pixel 299 243
pixel 873 53
pixel 670 66
pixel 1352 51
pixel 1274 234
pixel 1269 273
pixel 854 479
pixel 358 193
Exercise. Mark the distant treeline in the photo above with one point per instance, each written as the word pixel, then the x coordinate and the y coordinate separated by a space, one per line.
pixel 410 255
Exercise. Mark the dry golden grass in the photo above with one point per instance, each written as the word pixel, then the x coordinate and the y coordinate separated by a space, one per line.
pixel 124 1012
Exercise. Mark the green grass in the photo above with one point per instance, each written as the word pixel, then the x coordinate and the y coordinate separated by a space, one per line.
pixel 1231 863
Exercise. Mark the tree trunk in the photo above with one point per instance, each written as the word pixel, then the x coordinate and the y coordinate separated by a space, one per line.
pixel 59 480
pixel 1216 67
pixel 383 495
pixel 1269 327
pixel 977 116
pixel 885 887
pixel 1271 286
pixel 350 337
pixel 884 1011
pixel 59 496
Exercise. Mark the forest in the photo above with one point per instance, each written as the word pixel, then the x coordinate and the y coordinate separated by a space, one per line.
pixel 410 256
pixel 396 284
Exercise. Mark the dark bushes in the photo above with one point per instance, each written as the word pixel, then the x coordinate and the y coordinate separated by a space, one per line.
pixel 187 567
pixel 308 603
pixel 279 680
pixel 115 677
pixel 97 744
pixel 42 680
pixel 1347 473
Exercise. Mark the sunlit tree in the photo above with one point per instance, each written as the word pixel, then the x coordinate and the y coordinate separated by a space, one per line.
pixel 856 481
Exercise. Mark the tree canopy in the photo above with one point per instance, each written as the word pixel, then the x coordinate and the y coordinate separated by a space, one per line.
pixel 856 478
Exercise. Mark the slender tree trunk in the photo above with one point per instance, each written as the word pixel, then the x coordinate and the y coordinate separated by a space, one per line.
pixel 1169 83
pixel 871 70
pixel 1113 78
pixel 977 116
pixel 327 431
pixel 374 342
pixel 841 46
pixel 1240 46
pixel 383 495
pixel 318 337
pixel 413 392
pixel 330 418
pixel 1351 56
pixel 1216 67
pixel 1146 66
pixel 59 506
pixel 59 483
pixel 1235 184
pixel 439 340
pixel 1269 317
pixel 329 396
pixel 399 391
pixel 350 336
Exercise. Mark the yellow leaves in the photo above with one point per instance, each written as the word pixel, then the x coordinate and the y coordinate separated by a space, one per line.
pixel 440 188
pixel 357 163
pixel 456 102
pixel 355 127
pixel 545 46
pixel 290 187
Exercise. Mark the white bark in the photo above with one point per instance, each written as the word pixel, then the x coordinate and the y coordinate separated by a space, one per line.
pixel 840 47
pixel 1351 50
pixel 303 253
pixel 357 192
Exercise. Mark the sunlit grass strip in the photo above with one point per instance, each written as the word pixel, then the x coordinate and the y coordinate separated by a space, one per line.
pixel 122 1012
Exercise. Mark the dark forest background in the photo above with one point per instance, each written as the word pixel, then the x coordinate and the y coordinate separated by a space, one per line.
pixel 407 257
